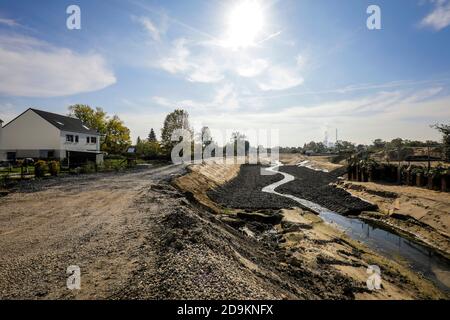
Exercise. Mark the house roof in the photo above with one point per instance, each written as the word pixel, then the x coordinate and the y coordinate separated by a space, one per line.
pixel 61 122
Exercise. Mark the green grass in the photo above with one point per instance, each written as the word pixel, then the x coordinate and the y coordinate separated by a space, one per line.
pixel 16 170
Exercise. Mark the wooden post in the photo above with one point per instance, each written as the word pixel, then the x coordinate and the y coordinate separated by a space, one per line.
pixel 444 183
pixel 430 182
pixel 370 174
pixel 419 179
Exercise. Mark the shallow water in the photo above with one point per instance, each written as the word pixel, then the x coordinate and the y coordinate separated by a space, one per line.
pixel 421 259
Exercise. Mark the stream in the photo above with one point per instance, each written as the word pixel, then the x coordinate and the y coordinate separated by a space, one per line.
pixel 420 258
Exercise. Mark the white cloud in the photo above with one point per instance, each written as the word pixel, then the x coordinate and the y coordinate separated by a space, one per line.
pixel 225 99
pixel 32 68
pixel 403 113
pixel 176 61
pixel 439 18
pixel 155 30
pixel 279 78
pixel 205 62
pixel 194 68
pixel 207 72
pixel 9 22
pixel 252 68
pixel 7 112
pixel 300 60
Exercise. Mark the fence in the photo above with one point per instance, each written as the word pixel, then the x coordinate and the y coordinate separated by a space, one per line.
pixel 437 178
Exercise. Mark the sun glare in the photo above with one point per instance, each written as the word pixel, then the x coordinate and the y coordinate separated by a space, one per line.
pixel 245 22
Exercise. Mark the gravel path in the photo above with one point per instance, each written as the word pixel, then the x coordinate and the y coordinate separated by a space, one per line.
pixel 97 222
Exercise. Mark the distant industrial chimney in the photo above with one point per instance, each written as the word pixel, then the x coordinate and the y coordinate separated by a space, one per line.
pixel 336 135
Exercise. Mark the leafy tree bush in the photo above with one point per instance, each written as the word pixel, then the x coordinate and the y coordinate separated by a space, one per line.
pixel 54 168
pixel 88 167
pixel 445 130
pixel 178 119
pixel 152 136
pixel 115 135
pixel 40 168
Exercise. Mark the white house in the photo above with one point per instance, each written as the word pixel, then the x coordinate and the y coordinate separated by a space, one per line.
pixel 45 135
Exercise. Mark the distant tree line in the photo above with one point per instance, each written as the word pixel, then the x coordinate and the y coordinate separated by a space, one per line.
pixel 115 138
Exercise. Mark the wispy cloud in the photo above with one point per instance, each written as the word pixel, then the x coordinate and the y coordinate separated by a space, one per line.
pixel 9 22
pixel 280 78
pixel 225 99
pixel 358 119
pixel 252 68
pixel 208 60
pixel 361 87
pixel 439 17
pixel 155 30
pixel 33 68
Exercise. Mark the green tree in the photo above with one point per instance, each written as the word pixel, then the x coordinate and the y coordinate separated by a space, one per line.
pixel 152 136
pixel 94 119
pixel 115 136
pixel 178 119
pixel 379 144
pixel 239 140
pixel 445 130
pixel 344 146
pixel 205 137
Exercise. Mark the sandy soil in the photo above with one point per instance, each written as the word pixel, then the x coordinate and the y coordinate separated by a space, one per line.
pixel 204 177
pixel 319 243
pixel 319 162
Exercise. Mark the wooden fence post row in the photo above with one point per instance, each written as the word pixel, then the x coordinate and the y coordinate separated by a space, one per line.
pixel 401 175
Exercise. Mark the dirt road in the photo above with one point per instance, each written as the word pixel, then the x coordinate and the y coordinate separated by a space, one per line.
pixel 98 223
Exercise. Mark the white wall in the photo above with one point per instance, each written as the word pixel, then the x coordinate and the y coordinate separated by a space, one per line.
pixel 81 145
pixel 30 132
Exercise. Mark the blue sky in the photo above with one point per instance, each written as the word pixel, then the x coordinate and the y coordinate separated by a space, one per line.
pixel 301 66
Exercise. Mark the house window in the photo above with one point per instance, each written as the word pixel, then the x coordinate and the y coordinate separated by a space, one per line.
pixel 76 139
pixel 69 138
pixel 93 139
pixel 87 139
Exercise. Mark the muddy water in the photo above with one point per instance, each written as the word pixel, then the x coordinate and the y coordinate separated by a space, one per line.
pixel 385 242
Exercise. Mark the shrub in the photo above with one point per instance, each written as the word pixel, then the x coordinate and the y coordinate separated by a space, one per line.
pixel 114 157
pixel 4 180
pixel 88 167
pixel 40 169
pixel 54 168
pixel 112 165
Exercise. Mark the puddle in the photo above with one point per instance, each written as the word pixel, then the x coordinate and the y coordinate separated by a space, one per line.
pixel 418 257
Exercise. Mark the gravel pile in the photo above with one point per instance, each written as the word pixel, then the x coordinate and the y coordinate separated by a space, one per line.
pixel 314 186
pixel 244 191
